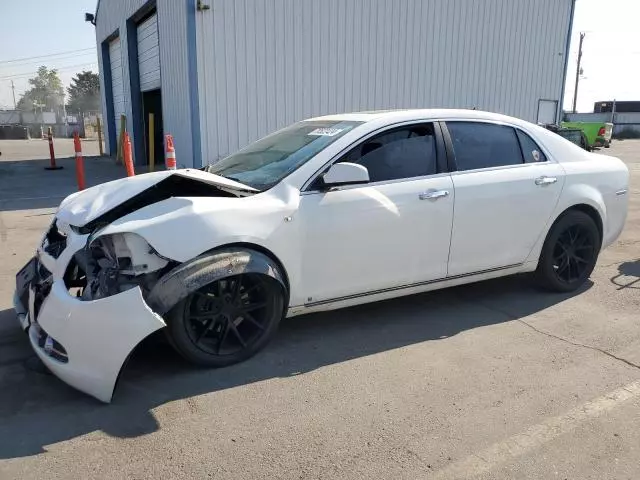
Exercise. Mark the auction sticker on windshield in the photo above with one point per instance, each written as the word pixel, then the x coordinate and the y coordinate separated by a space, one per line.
pixel 325 132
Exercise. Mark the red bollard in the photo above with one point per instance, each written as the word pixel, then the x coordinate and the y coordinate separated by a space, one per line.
pixel 128 157
pixel 52 155
pixel 170 154
pixel 79 161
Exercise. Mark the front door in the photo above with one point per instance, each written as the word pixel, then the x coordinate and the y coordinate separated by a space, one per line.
pixel 392 232
pixel 506 190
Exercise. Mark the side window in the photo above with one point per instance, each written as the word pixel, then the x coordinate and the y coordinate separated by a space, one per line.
pixel 530 149
pixel 482 145
pixel 400 153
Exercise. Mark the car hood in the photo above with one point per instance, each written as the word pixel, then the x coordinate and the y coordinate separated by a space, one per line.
pixel 120 197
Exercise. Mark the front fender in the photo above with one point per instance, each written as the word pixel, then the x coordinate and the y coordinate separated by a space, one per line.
pixel 205 269
pixel 183 228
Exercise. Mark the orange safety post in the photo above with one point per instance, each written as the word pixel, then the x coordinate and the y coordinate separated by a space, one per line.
pixel 128 157
pixel 79 161
pixel 52 155
pixel 170 152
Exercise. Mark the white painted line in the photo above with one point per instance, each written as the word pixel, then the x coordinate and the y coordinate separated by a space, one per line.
pixel 536 436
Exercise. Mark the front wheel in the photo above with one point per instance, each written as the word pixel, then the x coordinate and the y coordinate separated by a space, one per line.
pixel 228 320
pixel 569 253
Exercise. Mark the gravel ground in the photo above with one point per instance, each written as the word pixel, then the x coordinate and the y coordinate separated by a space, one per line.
pixel 493 380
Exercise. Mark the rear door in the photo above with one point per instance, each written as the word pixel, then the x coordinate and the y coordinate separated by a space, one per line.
pixel 505 192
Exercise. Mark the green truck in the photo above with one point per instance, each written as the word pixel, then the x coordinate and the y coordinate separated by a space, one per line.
pixel 598 133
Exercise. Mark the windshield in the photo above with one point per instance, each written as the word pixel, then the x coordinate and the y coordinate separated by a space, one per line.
pixel 264 163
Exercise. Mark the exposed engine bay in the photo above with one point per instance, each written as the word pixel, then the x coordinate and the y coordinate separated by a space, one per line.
pixel 113 264
pixel 175 185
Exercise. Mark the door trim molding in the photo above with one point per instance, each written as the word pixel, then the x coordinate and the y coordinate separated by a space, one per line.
pixel 411 285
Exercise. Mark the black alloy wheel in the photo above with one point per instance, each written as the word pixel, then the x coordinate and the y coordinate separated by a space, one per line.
pixel 573 253
pixel 569 253
pixel 228 320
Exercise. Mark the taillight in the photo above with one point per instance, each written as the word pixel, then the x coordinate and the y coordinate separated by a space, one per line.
pixel 601 132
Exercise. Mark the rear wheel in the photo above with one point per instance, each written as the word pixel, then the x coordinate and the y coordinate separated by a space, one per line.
pixel 228 320
pixel 569 253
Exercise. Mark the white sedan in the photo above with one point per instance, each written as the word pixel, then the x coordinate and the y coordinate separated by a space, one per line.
pixel 327 213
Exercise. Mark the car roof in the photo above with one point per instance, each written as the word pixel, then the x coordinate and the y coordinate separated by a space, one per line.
pixel 560 148
pixel 417 114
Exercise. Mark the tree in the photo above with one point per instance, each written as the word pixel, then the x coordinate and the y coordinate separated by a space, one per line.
pixel 46 91
pixel 84 92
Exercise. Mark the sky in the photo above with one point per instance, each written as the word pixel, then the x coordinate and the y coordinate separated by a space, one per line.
pixel 611 51
pixel 43 28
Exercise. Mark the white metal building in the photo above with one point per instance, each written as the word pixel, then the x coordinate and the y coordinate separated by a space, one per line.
pixel 218 74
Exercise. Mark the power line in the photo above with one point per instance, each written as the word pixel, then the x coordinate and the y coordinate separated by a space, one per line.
pixel 48 60
pixel 46 56
pixel 28 74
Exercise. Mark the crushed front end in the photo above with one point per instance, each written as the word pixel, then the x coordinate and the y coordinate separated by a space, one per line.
pixel 82 300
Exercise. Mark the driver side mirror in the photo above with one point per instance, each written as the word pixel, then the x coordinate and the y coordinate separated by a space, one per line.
pixel 345 173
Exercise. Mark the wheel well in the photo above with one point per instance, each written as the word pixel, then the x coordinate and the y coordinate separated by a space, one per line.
pixel 593 213
pixel 264 251
pixel 189 276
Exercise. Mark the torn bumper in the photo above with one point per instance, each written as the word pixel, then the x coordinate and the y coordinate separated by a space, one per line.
pixel 83 342
pixel 86 343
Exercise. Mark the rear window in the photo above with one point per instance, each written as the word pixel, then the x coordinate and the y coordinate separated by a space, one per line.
pixel 484 145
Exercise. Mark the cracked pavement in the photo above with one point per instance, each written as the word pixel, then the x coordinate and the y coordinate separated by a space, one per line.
pixel 495 380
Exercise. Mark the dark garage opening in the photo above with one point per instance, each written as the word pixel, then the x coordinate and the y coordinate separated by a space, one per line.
pixel 152 103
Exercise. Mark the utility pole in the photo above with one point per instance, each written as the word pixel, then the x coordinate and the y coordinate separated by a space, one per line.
pixel 13 90
pixel 613 110
pixel 575 93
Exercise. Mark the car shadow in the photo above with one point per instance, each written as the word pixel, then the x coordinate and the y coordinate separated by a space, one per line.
pixel 628 275
pixel 37 409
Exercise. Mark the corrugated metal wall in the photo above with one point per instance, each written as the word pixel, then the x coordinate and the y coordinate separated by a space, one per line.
pixel 588 117
pixel 117 82
pixel 172 25
pixel 263 64
pixel 148 54
pixel 176 109
pixel 112 18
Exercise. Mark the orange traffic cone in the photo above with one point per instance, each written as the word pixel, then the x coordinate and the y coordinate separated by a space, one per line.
pixel 170 154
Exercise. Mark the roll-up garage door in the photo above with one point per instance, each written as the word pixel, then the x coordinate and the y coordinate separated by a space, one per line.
pixel 117 85
pixel 149 54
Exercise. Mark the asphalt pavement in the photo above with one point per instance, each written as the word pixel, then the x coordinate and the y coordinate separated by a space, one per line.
pixel 495 380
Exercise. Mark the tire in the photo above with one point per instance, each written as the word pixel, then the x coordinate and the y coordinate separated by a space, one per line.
pixel 227 321
pixel 569 253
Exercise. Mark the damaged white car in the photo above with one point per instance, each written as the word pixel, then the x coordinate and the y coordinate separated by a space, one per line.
pixel 327 213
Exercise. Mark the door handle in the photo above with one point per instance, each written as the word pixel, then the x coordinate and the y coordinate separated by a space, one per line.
pixel 544 180
pixel 433 194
